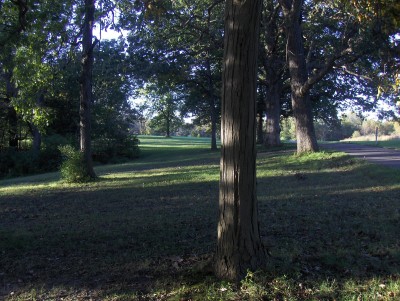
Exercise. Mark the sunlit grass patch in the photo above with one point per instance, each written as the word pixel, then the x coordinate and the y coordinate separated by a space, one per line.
pixel 383 141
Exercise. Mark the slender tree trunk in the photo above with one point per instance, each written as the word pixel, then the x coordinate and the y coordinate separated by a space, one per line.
pixel 301 104
pixel 260 127
pixel 86 93
pixel 169 118
pixel 210 92
pixel 239 246
pixel 168 134
pixel 37 136
pixel 273 112
pixel 274 69
pixel 213 113
pixel 12 127
pixel 213 125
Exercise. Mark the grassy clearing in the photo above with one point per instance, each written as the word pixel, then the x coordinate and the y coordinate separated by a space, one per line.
pixel 392 142
pixel 146 230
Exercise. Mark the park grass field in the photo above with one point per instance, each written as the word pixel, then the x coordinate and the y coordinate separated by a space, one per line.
pixel 385 141
pixel 146 230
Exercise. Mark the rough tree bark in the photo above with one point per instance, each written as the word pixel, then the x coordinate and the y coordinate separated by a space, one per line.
pixel 274 68
pixel 86 94
pixel 273 112
pixel 239 246
pixel 301 104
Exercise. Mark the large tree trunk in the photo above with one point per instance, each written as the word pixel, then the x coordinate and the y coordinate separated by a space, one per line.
pixel 86 94
pixel 239 246
pixel 301 104
pixel 273 112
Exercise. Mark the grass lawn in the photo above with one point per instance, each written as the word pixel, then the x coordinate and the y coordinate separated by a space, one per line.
pixel 389 143
pixel 146 230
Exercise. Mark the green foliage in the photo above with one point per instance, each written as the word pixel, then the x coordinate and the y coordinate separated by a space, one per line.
pixel 25 162
pixel 350 122
pixel 165 107
pixel 72 168
pixel 288 128
pixel 356 134
pixel 354 126
pixel 327 132
pixel 15 163
pixel 50 155
pixel 18 163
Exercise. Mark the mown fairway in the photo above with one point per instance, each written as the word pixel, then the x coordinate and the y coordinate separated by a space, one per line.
pixel 146 230
pixel 392 143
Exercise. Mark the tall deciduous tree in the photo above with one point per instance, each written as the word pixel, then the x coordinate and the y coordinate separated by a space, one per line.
pixel 182 42
pixel 239 246
pixel 86 93
pixel 305 133
pixel 273 70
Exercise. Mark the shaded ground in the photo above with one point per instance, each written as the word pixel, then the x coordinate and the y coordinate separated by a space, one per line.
pixel 378 155
pixel 147 231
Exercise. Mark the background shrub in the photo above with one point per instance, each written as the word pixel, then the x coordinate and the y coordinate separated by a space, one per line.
pixel 72 168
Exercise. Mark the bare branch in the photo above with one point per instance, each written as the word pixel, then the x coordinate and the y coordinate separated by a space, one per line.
pixel 326 68
pixel 347 71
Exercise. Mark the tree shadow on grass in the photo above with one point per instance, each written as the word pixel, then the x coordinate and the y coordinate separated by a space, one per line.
pixel 128 240
pixel 179 158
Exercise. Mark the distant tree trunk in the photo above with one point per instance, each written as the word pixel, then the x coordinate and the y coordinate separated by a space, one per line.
pixel 301 104
pixel 213 113
pixel 260 127
pixel 86 93
pixel 274 68
pixel 239 246
pixel 37 138
pixel 213 125
pixel 210 83
pixel 273 112
pixel 168 131
pixel 12 127
pixel 169 115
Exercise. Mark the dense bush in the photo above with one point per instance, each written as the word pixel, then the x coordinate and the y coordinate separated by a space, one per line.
pixel 50 156
pixel 18 163
pixel 15 163
pixel 54 149
pixel 72 168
